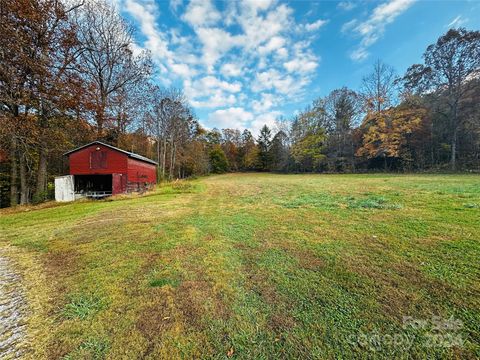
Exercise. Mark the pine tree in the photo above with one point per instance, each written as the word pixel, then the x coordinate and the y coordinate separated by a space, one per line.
pixel 264 143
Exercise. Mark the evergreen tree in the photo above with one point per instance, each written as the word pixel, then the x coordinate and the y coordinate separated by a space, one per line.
pixel 264 143
pixel 218 160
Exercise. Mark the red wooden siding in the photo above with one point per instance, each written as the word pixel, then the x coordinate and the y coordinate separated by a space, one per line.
pixel 141 172
pixel 119 183
pixel 111 162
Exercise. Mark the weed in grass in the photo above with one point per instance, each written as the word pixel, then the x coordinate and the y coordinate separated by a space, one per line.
pixel 82 306
pixel 372 202
pixel 163 281
pixel 471 206
pixel 92 348
pixel 182 186
pixel 317 200
pixel 160 278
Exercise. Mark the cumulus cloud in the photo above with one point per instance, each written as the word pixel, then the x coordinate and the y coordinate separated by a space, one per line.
pixel 201 13
pixel 372 29
pixel 268 118
pixel 273 44
pixel 266 102
pixel 216 42
pixel 237 59
pixel 234 117
pixel 156 41
pixel 231 70
pixel 315 25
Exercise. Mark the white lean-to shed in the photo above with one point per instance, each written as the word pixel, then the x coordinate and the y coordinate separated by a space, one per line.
pixel 64 188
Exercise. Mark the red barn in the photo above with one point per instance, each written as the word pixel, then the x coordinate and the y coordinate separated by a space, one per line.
pixel 100 169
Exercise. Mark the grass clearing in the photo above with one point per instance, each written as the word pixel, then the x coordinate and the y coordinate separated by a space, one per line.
pixel 258 266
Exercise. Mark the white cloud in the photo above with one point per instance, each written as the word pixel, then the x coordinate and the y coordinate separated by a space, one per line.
pixel 217 99
pixel 231 70
pixel 269 119
pixel 216 42
pixel 241 58
pixel 211 92
pixel 349 25
pixel 272 79
pixel 175 4
pixel 257 5
pixel 201 13
pixel 266 102
pixel 156 41
pixel 346 5
pixel 457 22
pixel 359 54
pixel 300 65
pixel 315 25
pixel 182 70
pixel 260 29
pixel 145 15
pixel 234 117
pixel 211 82
pixel 273 44
pixel 373 28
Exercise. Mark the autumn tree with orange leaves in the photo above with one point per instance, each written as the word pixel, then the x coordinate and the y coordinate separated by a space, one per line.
pixel 387 134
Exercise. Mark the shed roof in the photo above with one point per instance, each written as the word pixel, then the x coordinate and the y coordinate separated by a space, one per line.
pixel 128 153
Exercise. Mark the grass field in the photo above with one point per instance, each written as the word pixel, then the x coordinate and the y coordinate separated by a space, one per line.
pixel 258 266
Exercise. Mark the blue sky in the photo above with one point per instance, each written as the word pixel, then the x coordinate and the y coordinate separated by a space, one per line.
pixel 244 64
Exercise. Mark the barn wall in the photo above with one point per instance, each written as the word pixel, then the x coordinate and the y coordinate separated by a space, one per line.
pixel 141 172
pixel 119 183
pixel 116 162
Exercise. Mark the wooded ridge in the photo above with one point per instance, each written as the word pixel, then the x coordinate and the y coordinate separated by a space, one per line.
pixel 69 75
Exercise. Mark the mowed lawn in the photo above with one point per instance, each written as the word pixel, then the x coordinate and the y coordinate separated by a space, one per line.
pixel 258 266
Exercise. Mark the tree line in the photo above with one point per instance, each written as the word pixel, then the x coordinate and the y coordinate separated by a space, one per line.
pixel 70 73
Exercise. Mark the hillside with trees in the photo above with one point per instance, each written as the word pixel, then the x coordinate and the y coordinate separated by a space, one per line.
pixel 70 74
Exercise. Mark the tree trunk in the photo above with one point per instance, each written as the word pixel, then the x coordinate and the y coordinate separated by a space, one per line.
pixel 172 150
pixel 454 150
pixel 13 173
pixel 158 159
pixel 164 157
pixel 454 138
pixel 23 181
pixel 41 175
pixel 174 157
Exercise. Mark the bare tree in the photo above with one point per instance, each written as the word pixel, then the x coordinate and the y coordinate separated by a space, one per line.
pixel 343 111
pixel 378 88
pixel 171 123
pixel 107 60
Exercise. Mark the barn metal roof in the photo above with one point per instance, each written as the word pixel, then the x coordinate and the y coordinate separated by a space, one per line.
pixel 128 153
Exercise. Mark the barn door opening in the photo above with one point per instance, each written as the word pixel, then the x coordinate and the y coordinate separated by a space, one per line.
pixel 95 186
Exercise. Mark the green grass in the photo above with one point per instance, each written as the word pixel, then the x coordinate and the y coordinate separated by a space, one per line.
pixel 82 306
pixel 260 266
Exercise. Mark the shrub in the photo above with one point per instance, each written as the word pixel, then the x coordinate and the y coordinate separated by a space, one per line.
pixel 218 160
